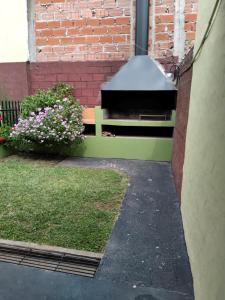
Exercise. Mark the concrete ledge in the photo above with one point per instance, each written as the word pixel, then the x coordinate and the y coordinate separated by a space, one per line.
pixel 51 248
pixel 138 148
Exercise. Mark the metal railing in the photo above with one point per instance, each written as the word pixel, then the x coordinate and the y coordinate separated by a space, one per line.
pixel 9 112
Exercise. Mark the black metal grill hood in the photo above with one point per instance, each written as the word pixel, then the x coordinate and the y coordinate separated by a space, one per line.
pixel 141 73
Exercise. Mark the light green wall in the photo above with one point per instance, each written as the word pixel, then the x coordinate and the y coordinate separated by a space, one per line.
pixel 123 147
pixel 143 148
pixel 203 190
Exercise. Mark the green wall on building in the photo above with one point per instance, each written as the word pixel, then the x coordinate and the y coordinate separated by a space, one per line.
pixel 203 189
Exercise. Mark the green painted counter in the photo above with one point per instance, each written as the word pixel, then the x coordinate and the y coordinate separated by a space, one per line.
pixel 158 149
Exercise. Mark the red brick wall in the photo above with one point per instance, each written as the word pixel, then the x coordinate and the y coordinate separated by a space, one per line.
pixel 18 80
pixel 14 81
pixel 21 79
pixel 82 30
pixel 72 30
pixel 183 99
pixel 85 77
pixel 191 8
pixel 164 28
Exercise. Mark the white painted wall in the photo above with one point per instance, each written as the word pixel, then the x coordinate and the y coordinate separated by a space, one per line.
pixel 13 31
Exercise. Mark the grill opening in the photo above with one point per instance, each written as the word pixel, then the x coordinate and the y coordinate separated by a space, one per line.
pixel 50 260
pixel 138 114
pixel 139 91
pixel 153 100
pixel 89 129
pixel 136 105
pixel 155 116
pixel 136 131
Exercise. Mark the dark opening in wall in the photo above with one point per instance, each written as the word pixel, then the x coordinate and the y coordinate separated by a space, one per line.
pixel 141 131
pixel 139 105
pixel 138 114
pixel 89 129
pixel 139 100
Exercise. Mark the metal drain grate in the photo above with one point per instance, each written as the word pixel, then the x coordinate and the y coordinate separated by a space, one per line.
pixel 48 260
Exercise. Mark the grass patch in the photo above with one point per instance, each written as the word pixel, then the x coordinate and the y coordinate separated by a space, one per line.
pixel 68 207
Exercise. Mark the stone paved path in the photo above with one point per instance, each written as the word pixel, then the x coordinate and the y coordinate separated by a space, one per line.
pixel 145 258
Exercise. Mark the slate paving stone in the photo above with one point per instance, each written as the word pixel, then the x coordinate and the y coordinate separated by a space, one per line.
pixel 145 258
pixel 23 283
pixel 147 246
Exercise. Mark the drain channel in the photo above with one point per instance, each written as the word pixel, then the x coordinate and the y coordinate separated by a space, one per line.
pixel 50 260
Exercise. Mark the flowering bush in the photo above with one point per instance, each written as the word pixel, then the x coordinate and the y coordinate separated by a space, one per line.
pixel 4 131
pixel 61 123
pixel 45 98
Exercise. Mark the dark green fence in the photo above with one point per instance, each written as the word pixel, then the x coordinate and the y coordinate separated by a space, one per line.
pixel 9 112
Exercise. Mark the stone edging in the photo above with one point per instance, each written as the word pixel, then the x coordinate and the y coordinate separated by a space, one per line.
pixel 51 248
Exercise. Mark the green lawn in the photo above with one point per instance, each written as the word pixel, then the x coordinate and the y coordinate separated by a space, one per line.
pixel 68 207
